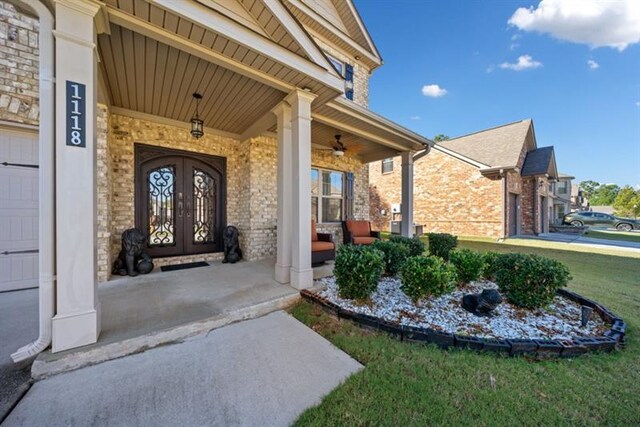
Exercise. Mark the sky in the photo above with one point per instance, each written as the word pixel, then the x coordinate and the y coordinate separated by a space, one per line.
pixel 573 66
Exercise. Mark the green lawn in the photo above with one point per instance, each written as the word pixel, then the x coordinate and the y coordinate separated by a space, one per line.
pixel 412 384
pixel 614 235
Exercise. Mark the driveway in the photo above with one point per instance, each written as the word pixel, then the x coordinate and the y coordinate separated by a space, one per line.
pixel 18 326
pixel 265 371
pixel 587 241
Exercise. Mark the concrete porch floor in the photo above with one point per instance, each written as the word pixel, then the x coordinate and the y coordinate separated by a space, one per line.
pixel 138 313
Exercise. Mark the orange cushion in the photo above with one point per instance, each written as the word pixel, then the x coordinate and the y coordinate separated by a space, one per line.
pixel 364 240
pixel 321 246
pixel 359 228
pixel 314 232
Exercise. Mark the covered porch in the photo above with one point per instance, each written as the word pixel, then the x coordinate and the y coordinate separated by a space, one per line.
pixel 271 102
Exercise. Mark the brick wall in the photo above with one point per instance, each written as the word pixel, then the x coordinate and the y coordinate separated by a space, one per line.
pixel 251 184
pixel 18 66
pixel 450 195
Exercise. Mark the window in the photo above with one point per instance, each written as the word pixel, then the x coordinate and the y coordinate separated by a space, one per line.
pixel 346 71
pixel 327 189
pixel 562 187
pixel 387 165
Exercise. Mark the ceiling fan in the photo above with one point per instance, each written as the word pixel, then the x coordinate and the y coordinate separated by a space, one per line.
pixel 337 147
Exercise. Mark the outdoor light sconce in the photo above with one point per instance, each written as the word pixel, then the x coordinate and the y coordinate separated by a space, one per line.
pixel 197 128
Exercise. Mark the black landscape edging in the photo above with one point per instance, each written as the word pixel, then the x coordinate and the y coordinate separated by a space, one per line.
pixel 612 339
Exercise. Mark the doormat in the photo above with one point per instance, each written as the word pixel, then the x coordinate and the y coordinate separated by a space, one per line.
pixel 184 266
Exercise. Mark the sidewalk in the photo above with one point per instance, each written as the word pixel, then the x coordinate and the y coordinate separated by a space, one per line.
pixel 573 239
pixel 264 371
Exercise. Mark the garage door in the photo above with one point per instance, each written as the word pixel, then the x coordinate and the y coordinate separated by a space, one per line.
pixel 18 210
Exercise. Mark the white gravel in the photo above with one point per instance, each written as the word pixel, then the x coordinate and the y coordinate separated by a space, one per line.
pixel 560 320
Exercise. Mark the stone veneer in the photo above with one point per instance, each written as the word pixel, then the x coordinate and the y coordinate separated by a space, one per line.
pixel 450 196
pixel 251 184
pixel 18 66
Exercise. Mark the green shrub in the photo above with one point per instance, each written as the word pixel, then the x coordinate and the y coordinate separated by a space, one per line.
pixel 414 244
pixel 530 281
pixel 422 276
pixel 490 268
pixel 357 270
pixel 440 244
pixel 395 254
pixel 468 264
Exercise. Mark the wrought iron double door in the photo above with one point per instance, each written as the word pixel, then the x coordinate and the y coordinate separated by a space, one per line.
pixel 179 204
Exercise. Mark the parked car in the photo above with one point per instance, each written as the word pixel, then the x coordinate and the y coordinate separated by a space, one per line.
pixel 598 219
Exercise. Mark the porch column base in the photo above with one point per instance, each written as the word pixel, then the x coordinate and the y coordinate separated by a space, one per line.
pixel 301 279
pixel 283 273
pixel 75 330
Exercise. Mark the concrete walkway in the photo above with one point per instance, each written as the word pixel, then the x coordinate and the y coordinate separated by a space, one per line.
pixel 18 327
pixel 586 241
pixel 264 371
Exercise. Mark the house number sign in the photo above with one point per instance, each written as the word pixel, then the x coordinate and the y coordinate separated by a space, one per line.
pixel 76 117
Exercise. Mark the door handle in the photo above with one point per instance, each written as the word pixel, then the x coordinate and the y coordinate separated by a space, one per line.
pixel 180 205
pixel 188 206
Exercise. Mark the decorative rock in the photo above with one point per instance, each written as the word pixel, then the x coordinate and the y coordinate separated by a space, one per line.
pixel 482 304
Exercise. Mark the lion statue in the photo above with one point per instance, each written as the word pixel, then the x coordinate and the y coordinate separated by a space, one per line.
pixel 132 258
pixel 232 252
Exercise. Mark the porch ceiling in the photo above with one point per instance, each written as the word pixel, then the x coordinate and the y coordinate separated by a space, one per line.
pixel 191 27
pixel 147 76
pixel 324 136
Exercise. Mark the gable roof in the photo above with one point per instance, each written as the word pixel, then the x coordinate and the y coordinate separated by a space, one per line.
pixel 495 147
pixel 540 161
pixel 337 22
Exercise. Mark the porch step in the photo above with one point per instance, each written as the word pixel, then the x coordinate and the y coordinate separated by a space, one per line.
pixel 48 364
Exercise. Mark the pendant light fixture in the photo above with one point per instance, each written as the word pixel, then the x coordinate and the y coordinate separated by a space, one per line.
pixel 197 128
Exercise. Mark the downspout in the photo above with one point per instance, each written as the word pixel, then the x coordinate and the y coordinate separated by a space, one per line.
pixel 505 205
pixel 46 185
pixel 535 206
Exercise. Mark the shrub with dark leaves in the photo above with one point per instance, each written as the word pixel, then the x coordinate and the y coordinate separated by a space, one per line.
pixel 530 281
pixel 468 264
pixel 414 244
pixel 440 244
pixel 424 276
pixel 357 270
pixel 395 254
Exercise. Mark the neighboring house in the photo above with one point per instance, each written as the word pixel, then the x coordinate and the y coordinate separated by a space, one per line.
pixel 106 108
pixel 493 182
pixel 578 201
pixel 561 196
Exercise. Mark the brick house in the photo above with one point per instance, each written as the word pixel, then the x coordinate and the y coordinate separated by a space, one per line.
pixel 111 125
pixel 494 182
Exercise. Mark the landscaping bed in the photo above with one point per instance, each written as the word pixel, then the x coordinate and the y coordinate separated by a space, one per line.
pixel 553 331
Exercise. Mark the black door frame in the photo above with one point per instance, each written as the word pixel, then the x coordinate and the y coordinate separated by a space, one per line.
pixel 144 153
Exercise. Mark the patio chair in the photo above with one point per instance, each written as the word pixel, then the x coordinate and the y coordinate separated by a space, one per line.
pixel 322 246
pixel 359 232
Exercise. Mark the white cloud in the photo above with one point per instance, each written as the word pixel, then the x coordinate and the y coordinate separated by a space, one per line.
pixel 514 46
pixel 515 37
pixel 638 103
pixel 415 117
pixel 433 91
pixel 525 62
pixel 614 23
pixel 593 64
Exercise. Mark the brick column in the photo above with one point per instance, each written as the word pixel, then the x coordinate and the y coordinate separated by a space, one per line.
pixel 301 271
pixel 406 207
pixel 77 321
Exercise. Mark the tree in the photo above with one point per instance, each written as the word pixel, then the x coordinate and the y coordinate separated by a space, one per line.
pixel 627 202
pixel 604 195
pixel 588 188
pixel 440 137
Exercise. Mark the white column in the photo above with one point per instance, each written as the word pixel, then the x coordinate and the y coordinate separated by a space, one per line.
pixel 77 321
pixel 406 208
pixel 301 271
pixel 285 185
